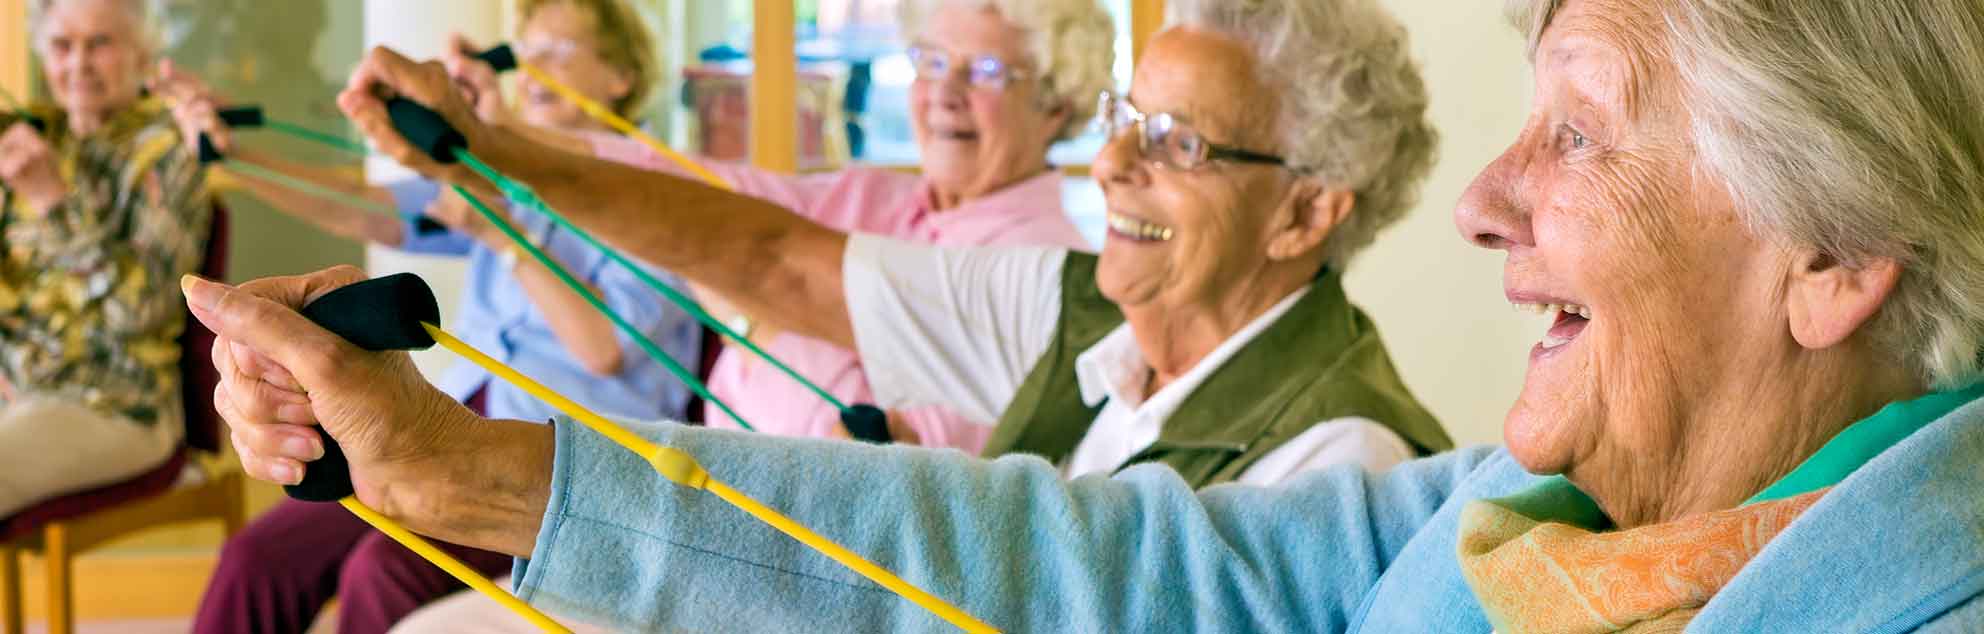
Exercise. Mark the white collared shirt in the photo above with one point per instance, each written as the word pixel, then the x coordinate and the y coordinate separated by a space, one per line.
pixel 963 328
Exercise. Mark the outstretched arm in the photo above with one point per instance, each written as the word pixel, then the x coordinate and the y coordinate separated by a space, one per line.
pixel 759 255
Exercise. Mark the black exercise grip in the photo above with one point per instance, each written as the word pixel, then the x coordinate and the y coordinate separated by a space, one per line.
pixel 377 314
pixel 236 117
pixel 502 58
pixel 242 117
pixel 425 129
pixel 426 226
pixel 208 153
pixel 866 423
pixel 39 124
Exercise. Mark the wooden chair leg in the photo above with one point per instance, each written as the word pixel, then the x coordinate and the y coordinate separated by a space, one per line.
pixel 11 619
pixel 61 584
pixel 234 516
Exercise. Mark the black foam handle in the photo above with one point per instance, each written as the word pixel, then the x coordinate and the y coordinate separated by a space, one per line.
pixel 425 129
pixel 502 58
pixel 426 226
pixel 242 117
pixel 208 153
pixel 377 314
pixel 39 124
pixel 236 117
pixel 866 423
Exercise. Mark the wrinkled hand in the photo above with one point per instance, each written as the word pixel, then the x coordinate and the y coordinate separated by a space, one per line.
pixel 281 375
pixel 384 74
pixel 195 108
pixel 476 79
pixel 27 167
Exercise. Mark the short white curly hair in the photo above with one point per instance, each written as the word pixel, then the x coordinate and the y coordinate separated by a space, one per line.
pixel 1353 105
pixel 1854 127
pixel 1073 42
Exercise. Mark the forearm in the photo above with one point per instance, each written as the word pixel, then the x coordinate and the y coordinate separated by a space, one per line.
pixel 583 330
pixel 759 255
pixel 488 491
pixel 331 216
pixel 1009 542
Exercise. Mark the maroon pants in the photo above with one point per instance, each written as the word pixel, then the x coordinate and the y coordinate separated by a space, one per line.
pixel 276 575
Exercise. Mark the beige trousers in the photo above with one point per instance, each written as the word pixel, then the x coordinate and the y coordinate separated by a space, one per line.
pixel 51 447
pixel 468 612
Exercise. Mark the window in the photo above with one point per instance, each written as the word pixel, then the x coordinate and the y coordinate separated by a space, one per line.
pixel 854 82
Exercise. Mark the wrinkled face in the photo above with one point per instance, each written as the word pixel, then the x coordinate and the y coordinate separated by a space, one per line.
pixel 976 139
pixel 1178 237
pixel 559 38
pixel 91 56
pixel 1660 305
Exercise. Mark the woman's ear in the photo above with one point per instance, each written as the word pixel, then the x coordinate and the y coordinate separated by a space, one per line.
pixel 1313 213
pixel 1827 299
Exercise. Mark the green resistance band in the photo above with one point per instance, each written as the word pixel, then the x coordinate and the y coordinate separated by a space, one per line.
pixel 522 195
pixel 490 215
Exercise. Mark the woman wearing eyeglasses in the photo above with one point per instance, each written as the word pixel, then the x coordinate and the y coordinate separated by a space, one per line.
pixel 997 84
pixel 1212 334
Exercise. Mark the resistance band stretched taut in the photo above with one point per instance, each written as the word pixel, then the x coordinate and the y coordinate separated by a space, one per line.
pixel 862 421
pixel 398 312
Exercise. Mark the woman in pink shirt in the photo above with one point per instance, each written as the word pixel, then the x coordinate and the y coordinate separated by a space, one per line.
pixel 997 82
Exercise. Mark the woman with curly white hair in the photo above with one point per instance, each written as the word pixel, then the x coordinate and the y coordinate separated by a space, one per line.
pixel 102 204
pixel 1237 196
pixel 997 83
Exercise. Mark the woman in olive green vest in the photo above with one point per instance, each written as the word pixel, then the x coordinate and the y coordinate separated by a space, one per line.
pixel 1212 335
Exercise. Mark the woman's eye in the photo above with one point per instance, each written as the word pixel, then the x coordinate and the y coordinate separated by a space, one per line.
pixel 1576 139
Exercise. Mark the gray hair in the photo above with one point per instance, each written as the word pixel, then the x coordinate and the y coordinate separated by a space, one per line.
pixel 1855 127
pixel 1353 105
pixel 140 12
pixel 1072 41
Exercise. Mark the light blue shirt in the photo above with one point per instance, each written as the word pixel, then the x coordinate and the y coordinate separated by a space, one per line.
pixel 498 318
pixel 1897 546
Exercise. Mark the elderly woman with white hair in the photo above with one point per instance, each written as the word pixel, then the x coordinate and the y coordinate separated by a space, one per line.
pixel 997 83
pixel 102 207
pixel 1235 203
pixel 1757 228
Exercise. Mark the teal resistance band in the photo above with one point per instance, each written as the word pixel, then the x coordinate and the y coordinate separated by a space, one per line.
pixel 863 421
pixel 564 276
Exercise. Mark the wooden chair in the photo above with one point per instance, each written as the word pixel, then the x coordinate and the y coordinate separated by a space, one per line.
pixel 63 528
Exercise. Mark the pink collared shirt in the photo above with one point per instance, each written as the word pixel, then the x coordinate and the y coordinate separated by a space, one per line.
pixel 863 200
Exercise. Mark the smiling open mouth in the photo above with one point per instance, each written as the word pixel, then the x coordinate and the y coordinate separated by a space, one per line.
pixel 1137 230
pixel 1567 321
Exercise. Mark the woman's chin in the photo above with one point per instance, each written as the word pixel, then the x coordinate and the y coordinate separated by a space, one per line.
pixel 1536 441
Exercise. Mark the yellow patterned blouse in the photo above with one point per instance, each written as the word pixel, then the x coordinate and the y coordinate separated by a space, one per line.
pixel 90 308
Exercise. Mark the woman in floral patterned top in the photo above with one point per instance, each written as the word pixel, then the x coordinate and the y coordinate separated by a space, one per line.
pixel 101 211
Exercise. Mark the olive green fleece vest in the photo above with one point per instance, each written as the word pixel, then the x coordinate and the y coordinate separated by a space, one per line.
pixel 1321 361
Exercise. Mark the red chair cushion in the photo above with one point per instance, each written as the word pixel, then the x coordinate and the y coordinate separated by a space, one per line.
pixel 153 482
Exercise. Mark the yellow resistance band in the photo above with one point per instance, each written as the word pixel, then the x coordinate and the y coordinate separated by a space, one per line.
pixel 682 469
pixel 453 566
pixel 606 115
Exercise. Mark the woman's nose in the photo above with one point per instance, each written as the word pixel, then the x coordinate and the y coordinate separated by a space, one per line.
pixel 1492 213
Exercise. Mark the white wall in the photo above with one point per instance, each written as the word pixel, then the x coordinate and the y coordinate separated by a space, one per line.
pixel 1438 300
pixel 419 30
